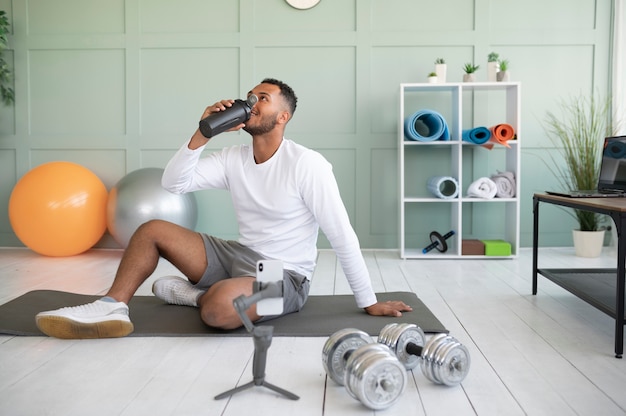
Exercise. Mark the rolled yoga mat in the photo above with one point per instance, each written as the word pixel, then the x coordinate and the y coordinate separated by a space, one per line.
pixel 426 126
pixel 444 187
pixel 502 133
pixel 478 135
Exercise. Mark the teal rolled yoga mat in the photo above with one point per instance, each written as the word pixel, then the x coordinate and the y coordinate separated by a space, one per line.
pixel 478 135
pixel 426 126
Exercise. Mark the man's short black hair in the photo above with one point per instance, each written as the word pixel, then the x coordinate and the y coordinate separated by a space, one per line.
pixel 286 92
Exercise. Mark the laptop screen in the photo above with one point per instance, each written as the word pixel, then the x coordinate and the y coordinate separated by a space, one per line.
pixel 613 165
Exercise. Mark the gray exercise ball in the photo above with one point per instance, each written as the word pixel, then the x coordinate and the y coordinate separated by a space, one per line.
pixel 139 197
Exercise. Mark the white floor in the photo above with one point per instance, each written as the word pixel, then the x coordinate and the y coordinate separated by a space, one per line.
pixel 550 354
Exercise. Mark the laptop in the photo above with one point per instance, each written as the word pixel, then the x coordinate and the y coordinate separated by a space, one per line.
pixel 612 181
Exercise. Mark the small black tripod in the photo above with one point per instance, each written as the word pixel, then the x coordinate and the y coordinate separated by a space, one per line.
pixel 262 336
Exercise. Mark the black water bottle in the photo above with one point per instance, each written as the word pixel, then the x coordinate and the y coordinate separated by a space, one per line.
pixel 221 121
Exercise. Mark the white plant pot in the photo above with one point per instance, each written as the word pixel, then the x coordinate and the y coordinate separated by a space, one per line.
pixel 433 80
pixel 441 71
pixel 588 243
pixel 492 71
pixel 468 77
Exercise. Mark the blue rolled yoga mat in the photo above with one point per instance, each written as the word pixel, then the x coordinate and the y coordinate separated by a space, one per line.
pixel 478 135
pixel 426 126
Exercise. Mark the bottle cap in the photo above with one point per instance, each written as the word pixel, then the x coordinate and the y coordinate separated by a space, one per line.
pixel 252 100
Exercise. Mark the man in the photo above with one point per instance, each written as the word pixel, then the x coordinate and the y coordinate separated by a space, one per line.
pixel 282 193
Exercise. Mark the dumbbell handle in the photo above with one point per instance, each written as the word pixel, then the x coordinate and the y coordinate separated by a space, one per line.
pixel 414 349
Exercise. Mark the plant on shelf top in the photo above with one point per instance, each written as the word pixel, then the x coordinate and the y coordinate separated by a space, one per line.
pixel 470 68
pixel 504 65
pixel 440 61
pixel 6 93
pixel 432 74
pixel 578 133
pixel 493 57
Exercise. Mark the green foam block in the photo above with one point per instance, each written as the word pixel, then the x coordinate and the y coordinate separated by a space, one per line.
pixel 497 248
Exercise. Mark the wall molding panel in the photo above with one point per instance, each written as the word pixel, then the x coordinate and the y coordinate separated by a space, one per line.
pixel 118 85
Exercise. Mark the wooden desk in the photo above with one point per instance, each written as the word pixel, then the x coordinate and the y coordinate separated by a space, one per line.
pixel 607 292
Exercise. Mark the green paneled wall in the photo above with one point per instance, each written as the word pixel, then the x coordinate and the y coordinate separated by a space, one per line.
pixel 119 85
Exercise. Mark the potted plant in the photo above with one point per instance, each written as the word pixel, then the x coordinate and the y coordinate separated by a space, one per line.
pixel 470 70
pixel 432 78
pixel 441 69
pixel 6 92
pixel 578 133
pixel 503 71
pixel 492 66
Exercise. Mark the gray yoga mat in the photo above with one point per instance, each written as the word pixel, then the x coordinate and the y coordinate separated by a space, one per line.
pixel 321 316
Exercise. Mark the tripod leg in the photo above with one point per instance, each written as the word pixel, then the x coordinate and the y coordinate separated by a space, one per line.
pixel 235 390
pixel 284 392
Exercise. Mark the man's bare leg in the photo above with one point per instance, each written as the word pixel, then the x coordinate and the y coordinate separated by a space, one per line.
pixel 216 305
pixel 109 317
pixel 182 247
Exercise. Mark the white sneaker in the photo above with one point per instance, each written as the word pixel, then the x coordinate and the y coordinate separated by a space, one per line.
pixel 176 291
pixel 99 319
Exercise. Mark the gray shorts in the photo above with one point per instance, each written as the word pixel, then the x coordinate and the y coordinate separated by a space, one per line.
pixel 227 258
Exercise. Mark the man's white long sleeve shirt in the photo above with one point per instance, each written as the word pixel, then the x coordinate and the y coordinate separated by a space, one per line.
pixel 280 205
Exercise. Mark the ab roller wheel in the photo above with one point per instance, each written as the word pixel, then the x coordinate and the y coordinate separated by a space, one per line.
pixel 375 372
pixel 438 241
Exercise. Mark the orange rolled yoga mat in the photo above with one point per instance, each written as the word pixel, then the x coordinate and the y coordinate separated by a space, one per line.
pixel 502 133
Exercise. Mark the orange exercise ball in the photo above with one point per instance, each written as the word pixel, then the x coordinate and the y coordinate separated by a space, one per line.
pixel 59 209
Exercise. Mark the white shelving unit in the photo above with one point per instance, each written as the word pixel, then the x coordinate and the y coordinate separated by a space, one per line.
pixel 463 106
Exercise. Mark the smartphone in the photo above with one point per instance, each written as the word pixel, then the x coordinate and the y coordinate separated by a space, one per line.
pixel 269 271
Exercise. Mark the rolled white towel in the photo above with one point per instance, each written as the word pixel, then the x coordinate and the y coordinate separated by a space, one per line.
pixel 505 181
pixel 482 188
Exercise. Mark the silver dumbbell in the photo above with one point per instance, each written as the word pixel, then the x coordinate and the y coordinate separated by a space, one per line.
pixel 443 359
pixel 370 371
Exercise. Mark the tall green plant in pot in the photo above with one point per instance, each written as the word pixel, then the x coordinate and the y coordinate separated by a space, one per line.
pixel 7 96
pixel 578 133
